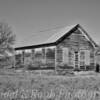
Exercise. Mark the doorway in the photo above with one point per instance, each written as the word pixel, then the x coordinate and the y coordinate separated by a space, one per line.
pixel 77 60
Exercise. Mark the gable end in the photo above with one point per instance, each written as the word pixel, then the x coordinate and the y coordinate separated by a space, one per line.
pixel 66 35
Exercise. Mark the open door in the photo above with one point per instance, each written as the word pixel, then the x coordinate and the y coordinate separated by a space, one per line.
pixel 77 60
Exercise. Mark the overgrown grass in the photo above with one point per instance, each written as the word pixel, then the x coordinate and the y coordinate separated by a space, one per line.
pixel 34 86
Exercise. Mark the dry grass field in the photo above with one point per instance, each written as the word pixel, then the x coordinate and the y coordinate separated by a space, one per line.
pixel 24 85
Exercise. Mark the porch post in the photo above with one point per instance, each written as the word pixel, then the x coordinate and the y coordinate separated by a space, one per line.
pixel 23 56
pixel 55 59
pixel 33 55
pixel 45 55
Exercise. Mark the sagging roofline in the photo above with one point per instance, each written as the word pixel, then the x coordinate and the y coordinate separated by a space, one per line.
pixel 57 41
pixel 48 44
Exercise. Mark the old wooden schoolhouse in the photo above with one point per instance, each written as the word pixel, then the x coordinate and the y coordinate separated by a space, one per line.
pixel 69 48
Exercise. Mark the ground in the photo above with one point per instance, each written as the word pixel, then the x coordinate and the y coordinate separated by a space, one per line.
pixel 25 85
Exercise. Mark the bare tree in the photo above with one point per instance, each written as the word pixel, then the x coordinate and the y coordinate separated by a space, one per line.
pixel 7 40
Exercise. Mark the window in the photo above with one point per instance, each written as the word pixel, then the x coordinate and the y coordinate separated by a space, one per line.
pixel 65 55
pixel 82 58
pixel 87 57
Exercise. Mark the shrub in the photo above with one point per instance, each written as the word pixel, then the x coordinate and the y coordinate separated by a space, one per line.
pixel 6 62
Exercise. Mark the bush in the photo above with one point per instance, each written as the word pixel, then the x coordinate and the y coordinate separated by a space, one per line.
pixel 6 62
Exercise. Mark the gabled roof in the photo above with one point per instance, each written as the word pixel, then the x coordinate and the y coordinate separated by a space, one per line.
pixel 60 33
pixel 58 36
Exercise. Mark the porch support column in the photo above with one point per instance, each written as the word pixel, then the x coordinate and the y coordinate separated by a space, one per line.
pixel 55 59
pixel 33 55
pixel 45 57
pixel 23 57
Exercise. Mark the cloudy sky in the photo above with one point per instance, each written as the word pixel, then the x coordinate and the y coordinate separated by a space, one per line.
pixel 29 18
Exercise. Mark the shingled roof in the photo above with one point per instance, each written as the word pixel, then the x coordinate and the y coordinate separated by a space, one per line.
pixel 58 36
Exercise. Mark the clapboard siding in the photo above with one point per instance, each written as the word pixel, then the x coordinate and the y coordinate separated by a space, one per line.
pixel 76 42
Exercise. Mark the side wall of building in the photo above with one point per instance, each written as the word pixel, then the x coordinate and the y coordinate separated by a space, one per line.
pixel 76 43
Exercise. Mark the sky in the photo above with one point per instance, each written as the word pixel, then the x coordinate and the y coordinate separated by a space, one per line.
pixel 30 18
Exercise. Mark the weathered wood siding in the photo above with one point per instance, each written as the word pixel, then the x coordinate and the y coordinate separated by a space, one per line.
pixel 77 47
pixel 76 42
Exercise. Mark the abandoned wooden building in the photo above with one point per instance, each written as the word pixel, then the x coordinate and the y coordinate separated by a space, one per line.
pixel 69 48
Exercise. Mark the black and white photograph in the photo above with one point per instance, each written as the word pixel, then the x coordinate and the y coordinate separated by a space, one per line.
pixel 49 49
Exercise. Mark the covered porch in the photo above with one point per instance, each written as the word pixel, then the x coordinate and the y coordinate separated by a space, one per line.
pixel 57 58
